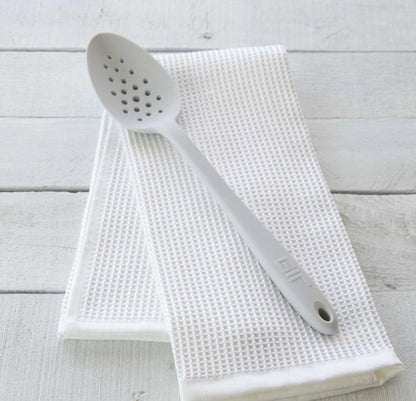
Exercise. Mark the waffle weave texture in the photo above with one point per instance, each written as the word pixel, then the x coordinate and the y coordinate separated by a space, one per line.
pixel 158 260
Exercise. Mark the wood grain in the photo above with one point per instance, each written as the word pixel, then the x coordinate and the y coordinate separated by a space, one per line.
pixel 355 155
pixel 329 85
pixel 376 156
pixel 39 233
pixel 35 365
pixel 47 153
pixel 299 24
pixel 38 237
pixel 383 233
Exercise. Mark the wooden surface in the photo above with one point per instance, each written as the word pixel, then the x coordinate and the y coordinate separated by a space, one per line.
pixel 329 85
pixel 353 63
pixel 371 25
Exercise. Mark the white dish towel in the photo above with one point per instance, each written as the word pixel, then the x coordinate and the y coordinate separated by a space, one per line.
pixel 158 260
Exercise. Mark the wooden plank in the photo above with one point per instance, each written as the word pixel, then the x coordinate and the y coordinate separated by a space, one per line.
pixel 47 153
pixel 39 233
pixel 355 85
pixel 381 229
pixel 330 85
pixel 366 155
pixel 355 155
pixel 299 24
pixel 38 237
pixel 35 365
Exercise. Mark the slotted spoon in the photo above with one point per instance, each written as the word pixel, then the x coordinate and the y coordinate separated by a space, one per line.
pixel 139 93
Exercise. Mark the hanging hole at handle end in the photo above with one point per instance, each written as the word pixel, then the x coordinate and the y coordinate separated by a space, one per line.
pixel 324 315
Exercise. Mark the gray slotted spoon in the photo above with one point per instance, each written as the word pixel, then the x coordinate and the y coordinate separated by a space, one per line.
pixel 140 95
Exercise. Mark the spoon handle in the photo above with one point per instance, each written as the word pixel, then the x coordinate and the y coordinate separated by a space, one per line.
pixel 290 278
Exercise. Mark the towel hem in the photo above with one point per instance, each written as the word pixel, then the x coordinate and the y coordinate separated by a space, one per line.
pixel 105 330
pixel 303 383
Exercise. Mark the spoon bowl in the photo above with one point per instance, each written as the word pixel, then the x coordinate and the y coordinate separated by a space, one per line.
pixel 131 84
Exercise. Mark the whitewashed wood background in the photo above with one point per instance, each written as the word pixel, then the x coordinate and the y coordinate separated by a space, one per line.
pixel 354 66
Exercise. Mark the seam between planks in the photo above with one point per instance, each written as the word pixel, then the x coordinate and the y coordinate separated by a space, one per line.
pixel 377 193
pixel 86 189
pixel 33 292
pixel 49 189
pixel 196 49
